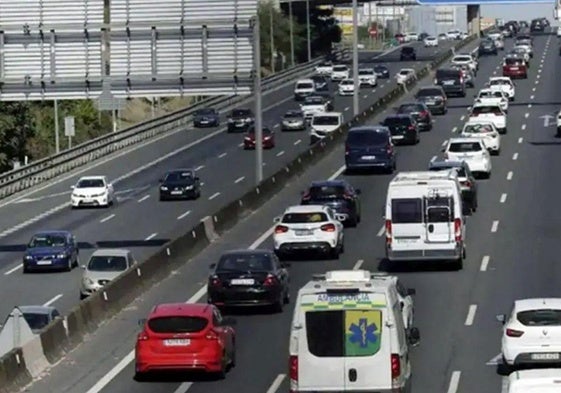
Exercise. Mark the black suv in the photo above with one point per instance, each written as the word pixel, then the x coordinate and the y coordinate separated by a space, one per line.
pixel 403 128
pixel 434 98
pixel 180 184
pixel 240 120
pixel 408 53
pixel 452 81
pixel 339 195
pixel 537 25
pixel 420 113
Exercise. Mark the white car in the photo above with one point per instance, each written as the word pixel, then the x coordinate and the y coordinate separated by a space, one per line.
pixel 526 47
pixel 453 34
pixel 541 380
pixel 303 88
pixel 367 77
pixel 492 97
pixel 471 150
pixel 499 43
pixel 532 333
pixel 313 105
pixel 465 60
pixel 431 42
pixel 443 37
pixel 559 31
pixel 485 130
pixel 492 113
pixel 325 68
pixel 314 228
pixel 92 191
pixel 410 37
pixel 346 87
pixel 340 72
pixel 504 84
pixel 404 75
pixel 495 35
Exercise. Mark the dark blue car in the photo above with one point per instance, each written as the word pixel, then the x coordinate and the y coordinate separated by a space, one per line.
pixel 51 250
pixel 369 147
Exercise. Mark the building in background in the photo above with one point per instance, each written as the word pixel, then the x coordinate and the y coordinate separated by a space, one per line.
pixel 487 22
pixel 436 20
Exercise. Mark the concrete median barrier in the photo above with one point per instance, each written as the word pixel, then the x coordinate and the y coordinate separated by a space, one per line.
pixel 36 362
pixel 54 341
pixel 13 372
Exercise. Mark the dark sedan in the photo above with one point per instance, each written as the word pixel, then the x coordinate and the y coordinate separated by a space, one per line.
pixel 240 120
pixel 180 184
pixel 403 128
pixel 268 139
pixel 369 147
pixel 382 71
pixel 249 278
pixel 434 98
pixel 468 183
pixel 420 113
pixel 487 47
pixel 51 250
pixel 321 83
pixel 339 195
pixel 293 120
pixel 408 53
pixel 206 117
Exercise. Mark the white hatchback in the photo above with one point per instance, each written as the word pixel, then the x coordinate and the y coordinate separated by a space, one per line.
pixel 339 72
pixel 404 75
pixel 431 42
pixel 346 87
pixel 471 150
pixel 532 333
pixel 492 113
pixel 92 191
pixel 485 130
pixel 492 97
pixel 504 84
pixel 544 380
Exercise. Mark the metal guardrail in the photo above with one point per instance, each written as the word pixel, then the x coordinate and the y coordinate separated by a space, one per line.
pixel 42 170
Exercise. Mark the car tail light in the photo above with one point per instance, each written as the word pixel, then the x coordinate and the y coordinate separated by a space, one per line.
pixel 466 183
pixel 389 149
pixel 347 150
pixel 270 281
pixel 458 229
pixel 388 231
pixel 281 229
pixel 143 336
pixel 328 228
pixel 396 366
pixel 514 333
pixel 424 114
pixel 293 369
pixel 266 138
pixel 306 196
pixel 411 128
pixel 212 335
pixel 215 282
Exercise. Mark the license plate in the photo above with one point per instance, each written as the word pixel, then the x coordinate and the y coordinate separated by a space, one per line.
pixel 46 262
pixel 242 281
pixel 406 241
pixel 369 158
pixel 430 102
pixel 397 137
pixel 545 356
pixel 176 192
pixel 514 68
pixel 176 342
pixel 448 83
pixel 303 232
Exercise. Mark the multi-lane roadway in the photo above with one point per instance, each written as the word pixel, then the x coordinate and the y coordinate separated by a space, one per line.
pixel 139 221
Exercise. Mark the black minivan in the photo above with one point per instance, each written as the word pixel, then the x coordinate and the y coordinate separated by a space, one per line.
pixel 369 147
pixel 451 80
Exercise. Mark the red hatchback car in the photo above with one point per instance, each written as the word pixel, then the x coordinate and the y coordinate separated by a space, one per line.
pixel 268 139
pixel 187 337
pixel 515 67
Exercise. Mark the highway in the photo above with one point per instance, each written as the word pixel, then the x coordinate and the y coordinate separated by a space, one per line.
pixel 512 253
pixel 139 221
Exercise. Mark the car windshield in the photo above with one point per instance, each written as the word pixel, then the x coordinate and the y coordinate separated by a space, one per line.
pixel 340 68
pixel 404 72
pixel 304 218
pixel 447 74
pixel 90 183
pixel 39 241
pixel 478 128
pixel 107 263
pixel 464 147
pixel 293 114
pixel 241 113
pixel 544 317
pixel 36 321
pixel 325 120
pixel 313 101
pixel 367 138
pixel 179 176
pixel 409 108
pixel 206 111
pixel 347 82
pixel 245 263
pixel 429 93
pixel 305 85
pixel 177 324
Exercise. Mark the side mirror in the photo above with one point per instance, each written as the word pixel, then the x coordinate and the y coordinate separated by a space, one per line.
pixel 414 336
pixel 83 267
pixel 340 217
pixel 72 187
pixel 501 318
pixel 212 266
pixel 411 291
pixel 276 219
pixel 229 321
pixel 142 322
pixel 358 191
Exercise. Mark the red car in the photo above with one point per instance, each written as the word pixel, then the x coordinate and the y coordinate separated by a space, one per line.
pixel 188 337
pixel 515 67
pixel 268 139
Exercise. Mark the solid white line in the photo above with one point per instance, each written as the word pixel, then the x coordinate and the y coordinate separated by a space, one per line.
pixel 16 268
pixel 337 173
pixel 107 378
pixel 54 299
pixel 347 108
pixel 433 158
pixel 523 127
pixel 454 129
pixel 503 198
pixel 471 315
pixel 358 264
pixel 280 153
pixel 381 231
pixel 520 140
pixel 484 263
pixel 509 175
pixel 199 168
pixel 183 387
pixel 184 215
pixel 210 198
pixel 297 142
pixel 239 179
pixel 276 383
pixel 495 226
pixel 152 236
pixel 454 382
pixel 526 115
pixel 261 239
pixel 145 197
pixel 240 144
pixel 107 218
pixel 515 156
pixel 222 155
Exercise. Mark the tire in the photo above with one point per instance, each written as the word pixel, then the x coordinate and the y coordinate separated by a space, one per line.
pixel 496 152
pixel 68 268
pixel 222 373
pixel 233 356
pixel 474 205
pixel 77 261
pixel 140 377
pixel 334 253
pixel 82 296
pixel 25 270
pixel 279 305
pixel 286 298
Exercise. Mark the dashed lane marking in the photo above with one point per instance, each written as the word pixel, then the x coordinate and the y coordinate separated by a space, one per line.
pixel 358 264
pixel 182 216
pixel 107 218
pixel 239 179
pixel 503 198
pixel 484 263
pixel 216 194
pixel 471 315
pixel 509 175
pixel 145 197
pixel 495 226
pixel 454 382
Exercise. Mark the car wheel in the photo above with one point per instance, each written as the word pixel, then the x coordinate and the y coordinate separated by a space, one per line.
pixel 233 355
pixel 279 305
pixel 286 298
pixel 82 296
pixel 77 261
pixel 474 205
pixel 139 377
pixel 459 263
pixel 25 269
pixel 69 266
pixel 335 252
pixel 497 152
pixel 352 223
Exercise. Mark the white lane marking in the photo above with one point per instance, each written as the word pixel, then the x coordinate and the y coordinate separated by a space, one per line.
pixel 347 108
pixel 503 198
pixel 533 89
pixel 145 197
pixel 526 115
pixel 276 383
pixel 152 236
pixel 495 72
pixel 529 106
pixel 280 153
pixel 509 175
pixel 239 179
pixel 15 268
pixel 471 314
pixel 358 264
pixel 531 97
pixel 495 226
pixel 201 167
pixel 184 387
pixel 298 142
pixel 107 218
pixel 462 118
pixel 444 143
pixel 433 158
pixel 454 382
pixel 523 127
pixel 520 140
pixel 240 144
pixel 484 263
pixel 54 299
pixel 184 215
pixel 276 125
pixel 515 156
pixel 454 129
pixel 210 198
pixel 222 155
pixel 381 231
pixel 365 96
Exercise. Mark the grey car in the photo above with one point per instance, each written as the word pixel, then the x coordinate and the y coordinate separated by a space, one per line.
pixel 293 120
pixel 468 183
pixel 104 266
pixel 37 317
pixel 206 117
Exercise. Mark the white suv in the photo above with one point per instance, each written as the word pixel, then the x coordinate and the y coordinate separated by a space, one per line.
pixel 339 73
pixel 492 113
pixel 313 228
pixel 504 84
pixel 467 60
pixel 304 88
pixel 485 130
pixel 367 77
pixel 471 150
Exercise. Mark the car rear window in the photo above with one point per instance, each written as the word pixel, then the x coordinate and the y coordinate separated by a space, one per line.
pixel 366 72
pixel 326 120
pixel 461 147
pixel 367 138
pixel 461 171
pixel 408 108
pixel 250 262
pixel 327 192
pixel 313 100
pixel 305 85
pixel 340 68
pixel 429 92
pixel 344 333
pixel 443 74
pixel 304 218
pixel 397 121
pixel 407 211
pixel 478 128
pixel 177 324
pixel 484 110
pixel 545 317
pixel 240 112
pixel 513 61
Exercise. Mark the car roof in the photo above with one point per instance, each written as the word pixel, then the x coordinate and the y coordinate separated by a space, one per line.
pixel 181 309
pixel 328 183
pixel 398 115
pixel 52 232
pixel 110 252
pixel 94 177
pixel 245 251
pixel 407 69
pixel 36 309
pixel 447 164
pixel 536 303
pixel 370 128
pixel 305 209
pixel 464 140
pixel 497 78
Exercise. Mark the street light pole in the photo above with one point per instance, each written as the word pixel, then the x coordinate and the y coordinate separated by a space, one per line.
pixel 356 107
pixel 257 94
pixel 272 32
pixel 309 32
pixel 291 32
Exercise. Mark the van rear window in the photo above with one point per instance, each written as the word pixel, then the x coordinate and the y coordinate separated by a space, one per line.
pixel 407 211
pixel 344 333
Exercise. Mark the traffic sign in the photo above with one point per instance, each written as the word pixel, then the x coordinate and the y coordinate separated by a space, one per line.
pixel 373 31
pixel 479 2
pixel 69 129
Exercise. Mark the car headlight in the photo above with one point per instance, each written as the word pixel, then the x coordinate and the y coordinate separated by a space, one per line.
pixel 28 257
pixel 230 120
pixel 88 281
pixel 61 256
pixel 248 120
pixel 163 188
pixel 189 187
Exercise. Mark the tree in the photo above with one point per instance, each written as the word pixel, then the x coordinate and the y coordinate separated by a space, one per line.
pixel 16 123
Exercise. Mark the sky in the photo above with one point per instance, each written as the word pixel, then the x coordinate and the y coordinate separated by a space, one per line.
pixel 519 11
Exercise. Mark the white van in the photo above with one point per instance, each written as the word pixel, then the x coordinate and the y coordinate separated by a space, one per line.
pixel 304 88
pixel 545 380
pixel 424 217
pixel 323 124
pixel 347 334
